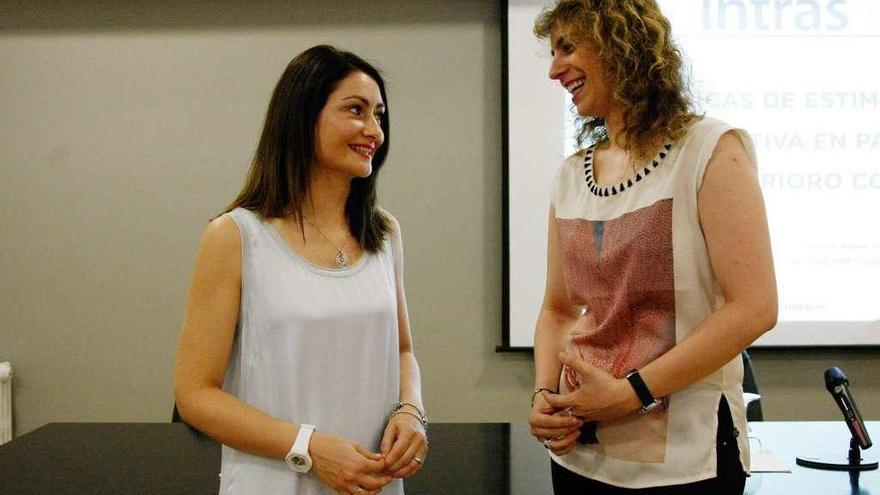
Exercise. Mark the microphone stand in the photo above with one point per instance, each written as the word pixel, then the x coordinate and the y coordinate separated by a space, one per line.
pixel 854 461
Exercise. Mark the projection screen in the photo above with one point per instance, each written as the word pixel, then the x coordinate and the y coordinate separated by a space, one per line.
pixel 802 78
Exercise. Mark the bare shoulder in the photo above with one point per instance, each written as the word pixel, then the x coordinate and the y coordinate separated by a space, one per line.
pixel 730 168
pixel 730 150
pixel 392 222
pixel 396 239
pixel 221 245
pixel 222 232
pixel 730 185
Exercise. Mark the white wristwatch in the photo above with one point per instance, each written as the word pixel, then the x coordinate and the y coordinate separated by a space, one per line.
pixel 298 459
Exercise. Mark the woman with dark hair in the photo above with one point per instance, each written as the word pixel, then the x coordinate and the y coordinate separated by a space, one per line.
pixel 295 351
pixel 659 269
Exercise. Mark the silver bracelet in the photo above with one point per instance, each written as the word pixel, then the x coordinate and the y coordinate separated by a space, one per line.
pixel 402 403
pixel 423 420
pixel 539 390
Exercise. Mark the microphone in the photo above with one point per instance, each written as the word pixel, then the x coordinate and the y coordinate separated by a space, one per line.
pixel 838 386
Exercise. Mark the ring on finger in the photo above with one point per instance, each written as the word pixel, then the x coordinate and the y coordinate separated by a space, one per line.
pixel 418 459
pixel 568 411
pixel 547 443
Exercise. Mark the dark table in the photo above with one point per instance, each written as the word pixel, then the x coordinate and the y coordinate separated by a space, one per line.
pixel 484 459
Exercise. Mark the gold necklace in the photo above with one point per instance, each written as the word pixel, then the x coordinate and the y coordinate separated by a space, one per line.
pixel 341 255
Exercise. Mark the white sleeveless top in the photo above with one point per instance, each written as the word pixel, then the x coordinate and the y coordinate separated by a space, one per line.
pixel 312 345
pixel 635 259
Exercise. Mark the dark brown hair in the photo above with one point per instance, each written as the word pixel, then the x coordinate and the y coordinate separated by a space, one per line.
pixel 634 41
pixel 280 174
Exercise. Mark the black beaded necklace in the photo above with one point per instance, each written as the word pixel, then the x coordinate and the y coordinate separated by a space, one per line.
pixel 606 191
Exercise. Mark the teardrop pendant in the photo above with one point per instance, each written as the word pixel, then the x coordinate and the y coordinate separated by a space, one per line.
pixel 341 259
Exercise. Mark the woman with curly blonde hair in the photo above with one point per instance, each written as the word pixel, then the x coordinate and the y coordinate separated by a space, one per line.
pixel 659 270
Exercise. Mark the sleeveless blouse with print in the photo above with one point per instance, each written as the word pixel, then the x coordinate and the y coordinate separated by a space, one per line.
pixel 636 262
pixel 312 345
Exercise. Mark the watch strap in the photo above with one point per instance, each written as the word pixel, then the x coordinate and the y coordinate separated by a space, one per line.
pixel 303 437
pixel 642 391
pixel 298 458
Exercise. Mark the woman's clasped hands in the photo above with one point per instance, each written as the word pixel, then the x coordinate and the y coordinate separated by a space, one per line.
pixel 347 467
pixel 555 428
pixel 556 419
pixel 351 469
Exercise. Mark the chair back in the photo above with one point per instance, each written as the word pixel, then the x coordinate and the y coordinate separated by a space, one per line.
pixel 750 385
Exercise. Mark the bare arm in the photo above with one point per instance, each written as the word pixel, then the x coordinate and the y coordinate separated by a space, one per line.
pixel 405 439
pixel 556 316
pixel 202 355
pixel 734 224
pixel 555 319
pixel 204 349
pixel 410 377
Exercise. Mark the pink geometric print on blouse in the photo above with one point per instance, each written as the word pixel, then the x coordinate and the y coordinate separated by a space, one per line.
pixel 621 271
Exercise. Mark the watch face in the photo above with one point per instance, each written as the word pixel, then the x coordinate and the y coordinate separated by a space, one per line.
pixel 299 463
pixel 298 458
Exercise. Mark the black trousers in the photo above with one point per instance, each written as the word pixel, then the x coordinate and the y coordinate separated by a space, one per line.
pixel 730 479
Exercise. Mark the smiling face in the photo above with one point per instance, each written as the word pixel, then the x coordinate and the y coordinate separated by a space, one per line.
pixel 580 70
pixel 348 131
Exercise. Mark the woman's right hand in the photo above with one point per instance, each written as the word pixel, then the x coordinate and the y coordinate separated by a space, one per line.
pixel 554 428
pixel 345 466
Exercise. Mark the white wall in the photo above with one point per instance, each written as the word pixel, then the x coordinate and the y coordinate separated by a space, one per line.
pixel 124 128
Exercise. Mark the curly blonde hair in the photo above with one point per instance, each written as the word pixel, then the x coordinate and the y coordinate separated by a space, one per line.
pixel 634 41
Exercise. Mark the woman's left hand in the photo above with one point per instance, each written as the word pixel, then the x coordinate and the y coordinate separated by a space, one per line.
pixel 404 445
pixel 600 397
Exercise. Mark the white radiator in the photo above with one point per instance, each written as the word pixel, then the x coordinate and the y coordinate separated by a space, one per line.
pixel 5 402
